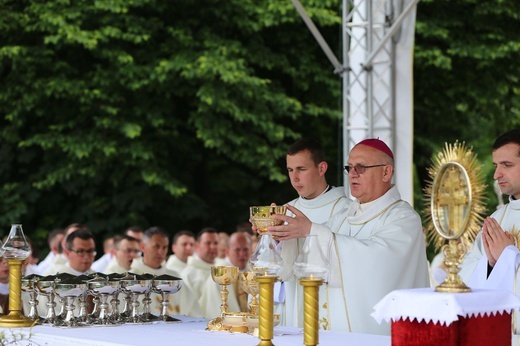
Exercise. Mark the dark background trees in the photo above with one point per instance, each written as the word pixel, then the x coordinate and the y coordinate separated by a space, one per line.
pixel 466 78
pixel 165 113
pixel 178 114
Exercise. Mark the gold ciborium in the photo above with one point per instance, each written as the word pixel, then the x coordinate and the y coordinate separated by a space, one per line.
pixel 249 284
pixel 222 275
pixel 261 216
pixel 455 210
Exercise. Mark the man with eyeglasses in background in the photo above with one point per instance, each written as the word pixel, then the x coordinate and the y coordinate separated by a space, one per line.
pixel 80 250
pixel 374 246
pixel 60 258
pixel 126 250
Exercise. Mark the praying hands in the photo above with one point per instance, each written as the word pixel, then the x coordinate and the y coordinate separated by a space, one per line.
pixel 495 240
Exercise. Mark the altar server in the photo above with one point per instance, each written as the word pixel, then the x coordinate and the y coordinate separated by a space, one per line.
pixel 493 262
pixel 109 251
pixel 319 201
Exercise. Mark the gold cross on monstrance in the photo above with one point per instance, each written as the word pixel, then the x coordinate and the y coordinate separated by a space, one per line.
pixel 454 199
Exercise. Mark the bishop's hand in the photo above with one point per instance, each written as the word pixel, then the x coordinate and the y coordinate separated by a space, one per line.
pixel 296 226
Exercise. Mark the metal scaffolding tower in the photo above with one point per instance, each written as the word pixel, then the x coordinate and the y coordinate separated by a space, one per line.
pixel 372 34
pixel 377 77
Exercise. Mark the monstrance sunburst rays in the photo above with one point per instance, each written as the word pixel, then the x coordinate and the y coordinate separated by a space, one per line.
pixel 458 153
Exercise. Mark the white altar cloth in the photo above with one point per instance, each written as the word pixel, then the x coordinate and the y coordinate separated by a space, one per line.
pixel 182 333
pixel 424 304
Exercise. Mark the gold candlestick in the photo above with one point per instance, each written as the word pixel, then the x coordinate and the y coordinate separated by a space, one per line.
pixel 310 310
pixel 266 314
pixel 15 250
pixel 15 318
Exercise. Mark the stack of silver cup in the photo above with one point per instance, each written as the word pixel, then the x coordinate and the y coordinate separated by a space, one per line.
pixel 65 300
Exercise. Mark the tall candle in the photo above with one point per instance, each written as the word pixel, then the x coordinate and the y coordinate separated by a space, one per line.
pixel 310 309
pixel 266 309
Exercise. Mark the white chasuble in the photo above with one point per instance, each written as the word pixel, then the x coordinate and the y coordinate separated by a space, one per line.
pixel 373 249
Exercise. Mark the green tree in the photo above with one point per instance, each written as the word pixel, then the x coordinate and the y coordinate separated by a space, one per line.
pixel 156 112
pixel 467 85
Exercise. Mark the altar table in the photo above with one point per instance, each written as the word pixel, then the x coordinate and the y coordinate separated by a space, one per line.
pixel 180 333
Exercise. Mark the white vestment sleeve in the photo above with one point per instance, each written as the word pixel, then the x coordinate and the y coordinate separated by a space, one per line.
pixel 471 260
pixel 502 277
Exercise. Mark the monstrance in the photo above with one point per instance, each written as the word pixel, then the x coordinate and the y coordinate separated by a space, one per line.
pixel 455 199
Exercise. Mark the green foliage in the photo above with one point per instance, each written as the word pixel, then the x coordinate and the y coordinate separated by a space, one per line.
pixel 467 85
pixel 178 113
pixel 156 112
